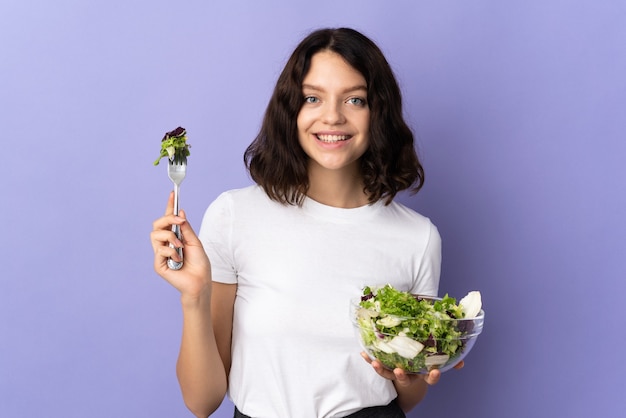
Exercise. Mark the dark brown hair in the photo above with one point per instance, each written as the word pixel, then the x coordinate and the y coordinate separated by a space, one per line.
pixel 275 159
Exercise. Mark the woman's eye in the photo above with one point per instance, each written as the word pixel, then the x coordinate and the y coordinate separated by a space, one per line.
pixel 311 99
pixel 357 101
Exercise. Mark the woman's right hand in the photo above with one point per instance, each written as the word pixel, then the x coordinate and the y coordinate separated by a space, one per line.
pixel 193 280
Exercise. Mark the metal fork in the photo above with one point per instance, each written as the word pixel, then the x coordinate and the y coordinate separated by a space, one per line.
pixel 176 171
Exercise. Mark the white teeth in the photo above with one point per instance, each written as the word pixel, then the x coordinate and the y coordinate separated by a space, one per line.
pixel 332 138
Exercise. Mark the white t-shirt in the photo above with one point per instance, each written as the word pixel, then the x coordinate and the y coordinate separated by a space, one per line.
pixel 295 353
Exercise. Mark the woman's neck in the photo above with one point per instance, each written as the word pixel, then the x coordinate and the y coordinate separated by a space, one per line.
pixel 337 188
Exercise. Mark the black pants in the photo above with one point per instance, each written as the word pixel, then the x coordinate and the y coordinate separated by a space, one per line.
pixel 389 411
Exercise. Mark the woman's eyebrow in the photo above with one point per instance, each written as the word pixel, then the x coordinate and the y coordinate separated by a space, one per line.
pixel 359 87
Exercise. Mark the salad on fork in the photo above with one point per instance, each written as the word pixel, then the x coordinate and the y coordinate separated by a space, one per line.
pixel 174 146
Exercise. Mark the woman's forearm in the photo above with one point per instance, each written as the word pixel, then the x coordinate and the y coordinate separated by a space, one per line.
pixel 200 370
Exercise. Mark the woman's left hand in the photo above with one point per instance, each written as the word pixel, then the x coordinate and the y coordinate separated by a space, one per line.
pixel 403 379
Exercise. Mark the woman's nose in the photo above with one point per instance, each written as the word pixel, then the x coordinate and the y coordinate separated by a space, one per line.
pixel 333 114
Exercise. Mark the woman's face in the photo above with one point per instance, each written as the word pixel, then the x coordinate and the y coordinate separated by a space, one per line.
pixel 333 123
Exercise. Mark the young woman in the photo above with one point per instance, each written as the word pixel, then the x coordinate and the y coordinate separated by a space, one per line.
pixel 266 319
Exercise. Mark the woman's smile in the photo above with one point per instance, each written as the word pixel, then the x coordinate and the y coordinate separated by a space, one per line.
pixel 330 138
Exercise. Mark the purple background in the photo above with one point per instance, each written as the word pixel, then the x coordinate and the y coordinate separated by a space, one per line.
pixel 520 112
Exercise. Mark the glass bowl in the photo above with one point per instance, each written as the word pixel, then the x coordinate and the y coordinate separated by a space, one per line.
pixel 416 345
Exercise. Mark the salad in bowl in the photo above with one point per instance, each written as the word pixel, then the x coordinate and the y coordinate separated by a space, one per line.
pixel 416 333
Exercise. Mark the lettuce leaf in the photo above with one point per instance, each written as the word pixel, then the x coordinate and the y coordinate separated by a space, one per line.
pixel 174 146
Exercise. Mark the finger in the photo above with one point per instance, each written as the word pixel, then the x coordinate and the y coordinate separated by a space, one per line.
pixel 433 377
pixel 163 238
pixel 376 365
pixel 401 377
pixel 366 357
pixel 460 365
pixel 381 370
pixel 169 209
pixel 167 221
pixel 163 253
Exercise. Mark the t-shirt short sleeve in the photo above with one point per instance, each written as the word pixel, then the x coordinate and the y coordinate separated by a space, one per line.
pixel 427 280
pixel 216 237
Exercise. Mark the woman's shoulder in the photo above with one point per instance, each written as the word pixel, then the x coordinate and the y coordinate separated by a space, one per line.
pixel 243 194
pixel 246 200
pixel 233 203
pixel 413 225
pixel 405 213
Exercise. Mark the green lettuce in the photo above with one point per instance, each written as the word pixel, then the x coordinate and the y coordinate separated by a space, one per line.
pixel 174 146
